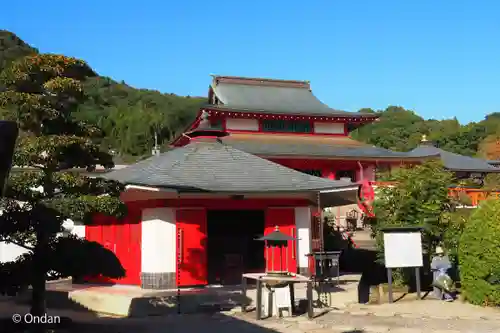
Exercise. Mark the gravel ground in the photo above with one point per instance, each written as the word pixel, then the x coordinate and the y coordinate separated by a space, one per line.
pixel 411 324
pixel 246 323
pixel 331 323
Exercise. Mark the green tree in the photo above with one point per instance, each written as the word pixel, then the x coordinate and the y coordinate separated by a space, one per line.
pixel 397 129
pixel 479 251
pixel 419 198
pixel 12 48
pixel 43 91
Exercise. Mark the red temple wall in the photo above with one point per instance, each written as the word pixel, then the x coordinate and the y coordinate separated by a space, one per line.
pixel 123 237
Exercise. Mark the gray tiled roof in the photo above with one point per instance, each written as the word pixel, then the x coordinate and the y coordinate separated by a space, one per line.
pixel 270 148
pixel 216 167
pixel 275 99
pixel 456 162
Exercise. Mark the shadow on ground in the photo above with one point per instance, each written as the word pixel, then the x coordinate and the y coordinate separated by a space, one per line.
pixel 364 261
pixel 208 321
pixel 81 298
pixel 78 319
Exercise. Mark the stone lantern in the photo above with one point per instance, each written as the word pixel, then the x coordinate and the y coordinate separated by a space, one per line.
pixel 276 247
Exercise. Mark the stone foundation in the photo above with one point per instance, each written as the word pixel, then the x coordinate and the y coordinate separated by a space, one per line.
pixel 304 271
pixel 158 281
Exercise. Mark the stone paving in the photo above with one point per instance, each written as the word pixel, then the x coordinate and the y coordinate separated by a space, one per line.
pixel 428 308
pixel 410 316
pixel 331 322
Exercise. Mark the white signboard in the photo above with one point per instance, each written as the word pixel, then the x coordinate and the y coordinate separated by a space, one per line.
pixel 403 249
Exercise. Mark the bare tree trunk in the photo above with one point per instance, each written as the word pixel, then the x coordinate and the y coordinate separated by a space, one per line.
pixel 38 307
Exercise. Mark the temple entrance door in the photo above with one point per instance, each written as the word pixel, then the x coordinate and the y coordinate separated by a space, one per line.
pixel 128 249
pixel 191 225
pixel 284 218
pixel 232 248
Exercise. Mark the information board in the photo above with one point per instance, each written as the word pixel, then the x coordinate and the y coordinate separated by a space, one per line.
pixel 403 249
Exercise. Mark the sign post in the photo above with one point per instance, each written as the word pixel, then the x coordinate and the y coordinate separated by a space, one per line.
pixel 8 137
pixel 403 248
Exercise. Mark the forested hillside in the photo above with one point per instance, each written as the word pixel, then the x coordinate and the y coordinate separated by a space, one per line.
pixel 402 130
pixel 129 117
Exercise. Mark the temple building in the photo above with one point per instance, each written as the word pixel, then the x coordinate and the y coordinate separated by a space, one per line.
pixel 284 122
pixel 463 166
pixel 262 153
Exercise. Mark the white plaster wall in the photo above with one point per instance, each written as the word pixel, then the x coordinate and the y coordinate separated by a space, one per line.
pixel 158 248
pixel 328 128
pixel 242 124
pixel 10 252
pixel 79 230
pixel 303 224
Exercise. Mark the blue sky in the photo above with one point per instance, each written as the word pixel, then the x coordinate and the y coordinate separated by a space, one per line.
pixel 440 58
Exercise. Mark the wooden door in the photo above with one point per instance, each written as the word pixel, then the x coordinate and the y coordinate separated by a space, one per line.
pixel 191 227
pixel 123 238
pixel 128 249
pixel 101 231
pixel 134 252
pixel 284 219
pixel 108 241
pixel 120 247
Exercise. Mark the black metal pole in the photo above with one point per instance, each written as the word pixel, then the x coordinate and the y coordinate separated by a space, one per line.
pixel 418 282
pixel 244 294
pixel 258 308
pixel 389 284
pixel 321 226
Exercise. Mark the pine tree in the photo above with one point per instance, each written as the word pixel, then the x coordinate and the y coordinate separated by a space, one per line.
pixel 42 94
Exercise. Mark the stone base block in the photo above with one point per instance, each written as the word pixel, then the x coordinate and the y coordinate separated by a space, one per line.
pixel 158 281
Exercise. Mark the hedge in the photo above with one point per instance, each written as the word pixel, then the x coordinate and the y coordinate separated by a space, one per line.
pixel 479 255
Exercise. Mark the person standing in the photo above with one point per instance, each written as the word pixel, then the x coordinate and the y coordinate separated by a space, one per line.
pixel 440 264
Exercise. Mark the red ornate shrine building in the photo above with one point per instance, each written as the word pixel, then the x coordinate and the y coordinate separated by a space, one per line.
pixel 262 153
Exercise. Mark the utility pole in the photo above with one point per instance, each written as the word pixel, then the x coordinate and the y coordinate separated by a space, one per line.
pixel 156 148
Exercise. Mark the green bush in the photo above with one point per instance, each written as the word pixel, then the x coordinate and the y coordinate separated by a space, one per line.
pixel 454 230
pixel 479 253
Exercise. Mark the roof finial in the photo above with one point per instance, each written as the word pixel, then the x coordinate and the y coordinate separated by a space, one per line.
pixel 204 129
pixel 276 228
pixel 424 138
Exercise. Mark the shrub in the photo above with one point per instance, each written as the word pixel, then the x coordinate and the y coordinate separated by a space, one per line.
pixel 454 230
pixel 479 253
